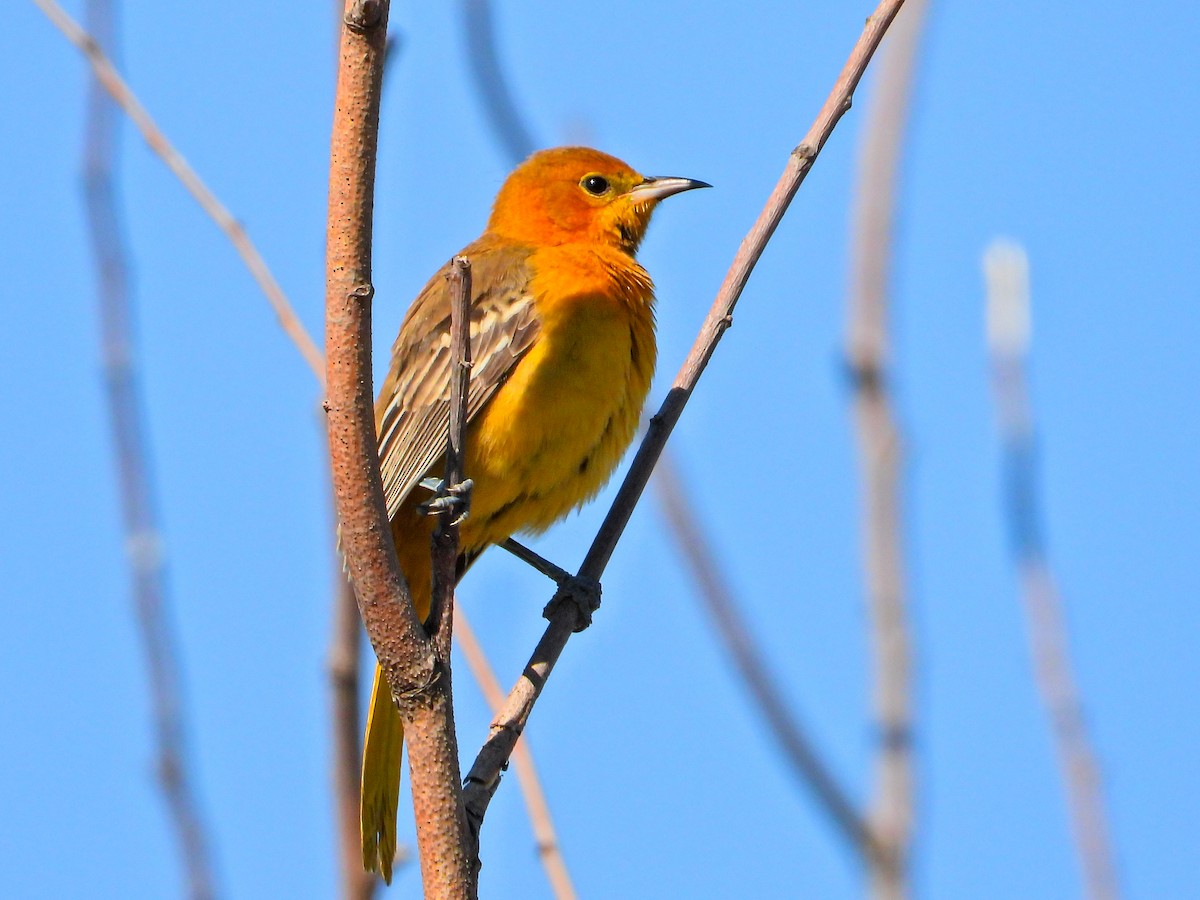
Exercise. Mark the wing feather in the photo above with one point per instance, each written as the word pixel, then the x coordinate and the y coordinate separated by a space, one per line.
pixel 412 411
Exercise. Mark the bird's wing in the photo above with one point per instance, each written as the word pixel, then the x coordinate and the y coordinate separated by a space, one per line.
pixel 412 411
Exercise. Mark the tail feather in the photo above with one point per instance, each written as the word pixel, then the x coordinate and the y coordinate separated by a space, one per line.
pixel 383 750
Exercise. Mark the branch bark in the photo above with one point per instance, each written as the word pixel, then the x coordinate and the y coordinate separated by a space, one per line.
pixel 510 721
pixel 881 453
pixel 419 678
pixel 134 472
pixel 445 537
pixel 1007 271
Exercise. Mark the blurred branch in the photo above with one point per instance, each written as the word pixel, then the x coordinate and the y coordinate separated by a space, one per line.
pixel 1007 271
pixel 343 653
pixel 491 82
pixel 135 480
pixel 527 777
pixel 881 451
pixel 510 721
pixel 729 624
pixel 418 676
pixel 106 75
pixel 344 677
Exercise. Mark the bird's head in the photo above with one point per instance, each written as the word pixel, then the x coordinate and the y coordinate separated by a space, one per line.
pixel 579 195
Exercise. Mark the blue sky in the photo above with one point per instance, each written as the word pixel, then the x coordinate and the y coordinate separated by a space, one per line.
pixel 1070 130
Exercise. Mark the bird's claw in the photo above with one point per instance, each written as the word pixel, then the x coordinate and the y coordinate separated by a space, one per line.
pixel 456 499
pixel 583 594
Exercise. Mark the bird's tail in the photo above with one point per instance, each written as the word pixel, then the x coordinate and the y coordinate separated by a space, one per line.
pixel 383 750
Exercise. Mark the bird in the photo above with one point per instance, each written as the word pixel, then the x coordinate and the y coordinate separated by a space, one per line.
pixel 562 337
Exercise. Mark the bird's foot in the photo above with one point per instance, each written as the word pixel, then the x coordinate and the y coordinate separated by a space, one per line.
pixel 581 594
pixel 455 499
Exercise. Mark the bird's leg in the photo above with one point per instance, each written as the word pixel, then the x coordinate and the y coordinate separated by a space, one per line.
pixel 543 565
pixel 583 593
pixel 454 498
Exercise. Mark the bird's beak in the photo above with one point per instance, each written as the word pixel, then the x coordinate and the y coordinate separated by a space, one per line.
pixel 655 189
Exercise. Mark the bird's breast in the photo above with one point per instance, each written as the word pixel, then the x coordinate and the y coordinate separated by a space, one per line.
pixel 552 434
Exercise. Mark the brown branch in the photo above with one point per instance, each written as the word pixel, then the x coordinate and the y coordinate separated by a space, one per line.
pixel 729 624
pixel 527 777
pixel 510 721
pixel 106 74
pixel 420 680
pixel 135 478
pixel 491 82
pixel 344 675
pixel 1007 270
pixel 445 537
pixel 881 453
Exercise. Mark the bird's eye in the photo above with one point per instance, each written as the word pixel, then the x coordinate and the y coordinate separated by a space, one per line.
pixel 595 184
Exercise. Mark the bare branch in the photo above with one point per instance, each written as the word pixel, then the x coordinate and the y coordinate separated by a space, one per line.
pixel 513 134
pixel 729 624
pixel 344 674
pixel 881 453
pixel 491 82
pixel 1007 270
pixel 135 478
pixel 527 777
pixel 510 721
pixel 107 76
pixel 419 679
pixel 445 537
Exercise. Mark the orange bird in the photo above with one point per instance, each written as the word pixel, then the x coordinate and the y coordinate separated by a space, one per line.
pixel 562 337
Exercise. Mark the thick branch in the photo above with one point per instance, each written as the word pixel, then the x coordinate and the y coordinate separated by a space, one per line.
pixel 881 453
pixel 509 723
pixel 1007 270
pixel 420 682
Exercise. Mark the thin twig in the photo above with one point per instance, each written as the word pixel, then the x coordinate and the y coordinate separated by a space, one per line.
pixel 510 721
pixel 419 679
pixel 445 537
pixel 881 453
pixel 491 81
pixel 729 624
pixel 1007 271
pixel 538 809
pixel 512 132
pixel 135 478
pixel 106 75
